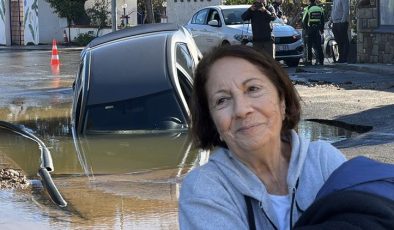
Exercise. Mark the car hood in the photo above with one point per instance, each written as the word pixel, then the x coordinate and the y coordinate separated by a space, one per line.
pixel 279 30
pixel 283 30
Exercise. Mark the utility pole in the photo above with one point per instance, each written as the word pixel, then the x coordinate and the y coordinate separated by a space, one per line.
pixel 113 15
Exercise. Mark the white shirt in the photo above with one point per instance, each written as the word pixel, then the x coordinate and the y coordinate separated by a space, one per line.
pixel 281 205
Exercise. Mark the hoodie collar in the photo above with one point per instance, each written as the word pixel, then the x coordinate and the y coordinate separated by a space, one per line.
pixel 246 182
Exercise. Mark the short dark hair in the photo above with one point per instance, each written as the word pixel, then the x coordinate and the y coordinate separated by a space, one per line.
pixel 203 130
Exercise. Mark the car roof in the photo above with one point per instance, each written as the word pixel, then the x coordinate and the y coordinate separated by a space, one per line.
pixel 133 31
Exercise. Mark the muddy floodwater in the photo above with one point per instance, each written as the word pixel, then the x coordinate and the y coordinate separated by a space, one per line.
pixel 108 182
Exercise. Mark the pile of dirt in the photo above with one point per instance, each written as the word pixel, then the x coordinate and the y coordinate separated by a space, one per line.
pixel 12 179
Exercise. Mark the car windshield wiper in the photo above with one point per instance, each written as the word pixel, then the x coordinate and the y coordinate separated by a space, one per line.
pixel 46 163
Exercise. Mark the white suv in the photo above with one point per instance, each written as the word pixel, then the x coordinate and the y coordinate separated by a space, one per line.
pixel 221 25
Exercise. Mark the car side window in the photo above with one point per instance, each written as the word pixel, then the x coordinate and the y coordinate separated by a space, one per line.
pixel 214 15
pixel 184 58
pixel 186 85
pixel 185 69
pixel 78 88
pixel 200 16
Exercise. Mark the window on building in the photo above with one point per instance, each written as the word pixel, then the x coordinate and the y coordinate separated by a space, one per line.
pixel 386 12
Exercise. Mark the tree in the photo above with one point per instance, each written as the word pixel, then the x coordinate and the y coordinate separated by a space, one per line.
pixel 98 14
pixel 72 10
pixel 149 11
pixel 148 7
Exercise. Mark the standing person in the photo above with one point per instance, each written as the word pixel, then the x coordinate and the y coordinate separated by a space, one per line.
pixel 340 20
pixel 244 108
pixel 261 15
pixel 278 9
pixel 313 23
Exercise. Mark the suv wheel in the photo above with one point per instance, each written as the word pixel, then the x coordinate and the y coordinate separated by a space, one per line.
pixel 292 62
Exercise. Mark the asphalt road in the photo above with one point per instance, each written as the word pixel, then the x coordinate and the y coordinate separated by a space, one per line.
pixel 356 98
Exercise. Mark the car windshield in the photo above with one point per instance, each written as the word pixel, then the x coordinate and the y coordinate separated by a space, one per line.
pixel 233 16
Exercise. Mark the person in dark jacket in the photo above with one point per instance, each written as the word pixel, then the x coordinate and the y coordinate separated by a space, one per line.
pixel 278 9
pixel 313 23
pixel 348 210
pixel 261 15
pixel 358 195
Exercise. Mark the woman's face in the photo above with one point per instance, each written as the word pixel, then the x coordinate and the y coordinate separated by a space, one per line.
pixel 244 105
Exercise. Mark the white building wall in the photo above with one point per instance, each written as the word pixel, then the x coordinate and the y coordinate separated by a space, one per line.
pixel 5 30
pixel 31 31
pixel 181 11
pixel 50 25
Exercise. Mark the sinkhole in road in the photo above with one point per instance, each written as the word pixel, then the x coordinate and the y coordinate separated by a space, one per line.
pixel 329 130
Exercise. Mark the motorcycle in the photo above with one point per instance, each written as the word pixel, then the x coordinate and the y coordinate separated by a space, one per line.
pixel 330 46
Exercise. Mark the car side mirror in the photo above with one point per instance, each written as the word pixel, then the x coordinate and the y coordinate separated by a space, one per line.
pixel 213 22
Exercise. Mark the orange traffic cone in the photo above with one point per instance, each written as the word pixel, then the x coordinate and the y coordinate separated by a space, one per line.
pixel 55 69
pixel 55 55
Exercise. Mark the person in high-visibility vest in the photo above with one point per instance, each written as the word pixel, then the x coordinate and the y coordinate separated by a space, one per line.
pixel 313 23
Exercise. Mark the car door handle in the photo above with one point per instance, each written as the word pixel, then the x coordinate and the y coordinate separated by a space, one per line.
pixel 204 30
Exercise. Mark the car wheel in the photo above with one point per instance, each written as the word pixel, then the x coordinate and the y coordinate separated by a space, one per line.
pixel 292 62
pixel 225 43
pixel 334 53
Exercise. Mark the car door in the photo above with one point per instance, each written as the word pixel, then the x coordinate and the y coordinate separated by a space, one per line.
pixel 213 35
pixel 197 28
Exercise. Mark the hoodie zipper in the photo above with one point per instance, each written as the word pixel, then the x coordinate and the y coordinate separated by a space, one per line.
pixel 294 189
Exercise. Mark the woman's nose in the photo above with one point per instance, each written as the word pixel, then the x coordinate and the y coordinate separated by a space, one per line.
pixel 241 106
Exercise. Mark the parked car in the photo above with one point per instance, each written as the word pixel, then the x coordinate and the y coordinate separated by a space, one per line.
pixel 221 25
pixel 136 80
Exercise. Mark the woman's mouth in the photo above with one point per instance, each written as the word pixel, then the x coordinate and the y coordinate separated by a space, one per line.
pixel 247 128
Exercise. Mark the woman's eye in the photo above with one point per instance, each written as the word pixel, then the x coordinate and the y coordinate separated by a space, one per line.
pixel 221 101
pixel 253 89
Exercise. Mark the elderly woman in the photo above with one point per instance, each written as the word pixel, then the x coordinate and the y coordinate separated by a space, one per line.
pixel 245 109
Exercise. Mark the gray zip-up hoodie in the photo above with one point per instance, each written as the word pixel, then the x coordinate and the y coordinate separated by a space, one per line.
pixel 212 196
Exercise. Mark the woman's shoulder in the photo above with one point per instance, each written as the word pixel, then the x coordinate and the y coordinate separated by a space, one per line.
pixel 325 156
pixel 202 178
pixel 324 149
pixel 212 176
